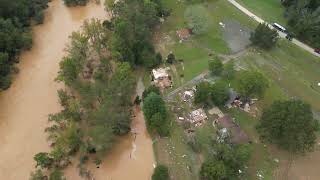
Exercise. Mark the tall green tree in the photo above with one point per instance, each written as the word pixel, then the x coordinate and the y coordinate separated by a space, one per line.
pixel 197 17
pixel 252 84
pixel 153 104
pixel 303 20
pixel 161 172
pixel 202 93
pixel 43 160
pixel 156 114
pixel 225 162
pixel 264 37
pixel 213 170
pixel 219 93
pixel 229 71
pixel 290 125
pixel 75 2
pixel 215 67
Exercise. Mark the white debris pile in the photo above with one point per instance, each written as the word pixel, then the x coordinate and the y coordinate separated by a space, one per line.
pixel 222 25
pixel 188 95
pixel 197 117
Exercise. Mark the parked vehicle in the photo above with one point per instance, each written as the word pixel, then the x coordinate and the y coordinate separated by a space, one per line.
pixel 289 36
pixel 279 27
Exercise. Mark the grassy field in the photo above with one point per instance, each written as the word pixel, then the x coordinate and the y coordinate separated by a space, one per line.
pixel 269 10
pixel 175 153
pixel 261 160
pixel 292 72
pixel 195 51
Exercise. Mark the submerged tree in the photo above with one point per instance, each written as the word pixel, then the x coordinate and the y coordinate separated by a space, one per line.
pixel 75 2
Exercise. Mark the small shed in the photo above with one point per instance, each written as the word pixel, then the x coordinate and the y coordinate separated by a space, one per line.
pixel 184 34
pixel 238 136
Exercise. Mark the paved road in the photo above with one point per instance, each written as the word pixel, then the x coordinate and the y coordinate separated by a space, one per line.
pixel 281 34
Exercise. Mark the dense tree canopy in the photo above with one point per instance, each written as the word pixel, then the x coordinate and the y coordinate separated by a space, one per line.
pixel 213 170
pixel 198 18
pixel 264 37
pixel 225 162
pixel 252 84
pixel 75 2
pixel 228 70
pixel 290 125
pixel 219 93
pixel 160 173
pixel 156 114
pixel 215 67
pixel 149 90
pixel 97 108
pixel 132 30
pixel 15 36
pixel 304 19
pixel 202 93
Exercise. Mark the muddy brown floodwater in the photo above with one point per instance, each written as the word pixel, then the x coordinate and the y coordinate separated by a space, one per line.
pixel 24 107
pixel 131 158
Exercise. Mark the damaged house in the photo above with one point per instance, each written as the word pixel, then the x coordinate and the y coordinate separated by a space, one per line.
pixel 197 117
pixel 237 135
pixel 161 78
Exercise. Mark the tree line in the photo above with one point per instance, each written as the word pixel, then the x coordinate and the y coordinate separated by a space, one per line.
pixel 98 74
pixel 16 18
pixel 304 19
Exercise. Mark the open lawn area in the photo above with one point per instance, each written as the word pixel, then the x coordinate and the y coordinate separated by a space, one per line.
pixel 194 52
pixel 261 160
pixel 175 153
pixel 269 10
pixel 292 72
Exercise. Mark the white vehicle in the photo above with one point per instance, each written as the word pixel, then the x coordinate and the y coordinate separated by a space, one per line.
pixel 279 27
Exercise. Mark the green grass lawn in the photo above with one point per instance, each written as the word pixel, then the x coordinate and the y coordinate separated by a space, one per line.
pixel 269 10
pixel 195 51
pixel 175 153
pixel 292 72
pixel 261 160
pixel 292 69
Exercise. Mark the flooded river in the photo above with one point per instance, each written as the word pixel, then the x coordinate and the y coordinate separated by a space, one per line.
pixel 131 158
pixel 24 107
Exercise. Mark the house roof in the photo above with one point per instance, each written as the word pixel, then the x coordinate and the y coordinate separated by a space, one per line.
pixel 237 134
